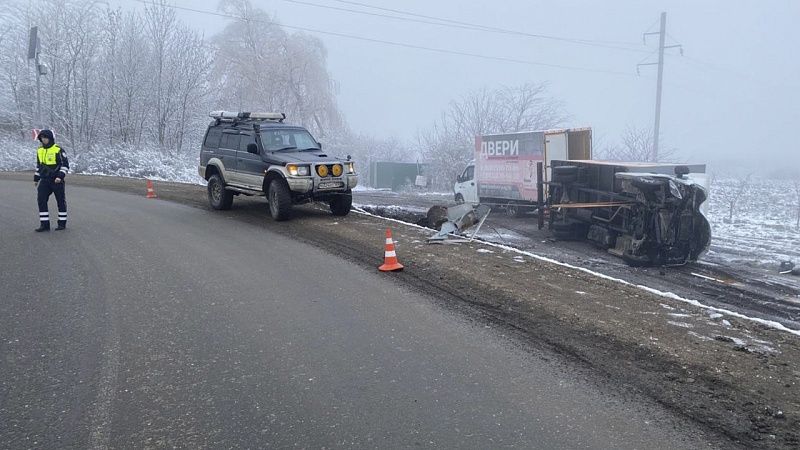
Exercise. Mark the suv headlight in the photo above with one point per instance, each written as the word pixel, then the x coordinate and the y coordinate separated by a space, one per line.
pixel 297 171
pixel 351 167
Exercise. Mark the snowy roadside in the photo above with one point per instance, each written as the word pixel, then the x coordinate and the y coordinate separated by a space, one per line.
pixel 117 161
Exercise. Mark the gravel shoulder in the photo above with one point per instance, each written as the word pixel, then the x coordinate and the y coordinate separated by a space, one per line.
pixel 736 377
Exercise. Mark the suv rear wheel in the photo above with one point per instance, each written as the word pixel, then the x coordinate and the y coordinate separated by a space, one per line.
pixel 280 200
pixel 218 196
pixel 341 204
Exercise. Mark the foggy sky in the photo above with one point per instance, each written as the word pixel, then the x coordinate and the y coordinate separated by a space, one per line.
pixel 732 100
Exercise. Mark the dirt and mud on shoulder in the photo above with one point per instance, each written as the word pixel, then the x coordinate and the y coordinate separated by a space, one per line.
pixel 736 376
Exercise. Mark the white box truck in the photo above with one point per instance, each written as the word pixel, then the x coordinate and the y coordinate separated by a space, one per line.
pixel 504 170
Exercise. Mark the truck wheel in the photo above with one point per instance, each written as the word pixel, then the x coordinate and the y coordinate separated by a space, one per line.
pixel 280 200
pixel 218 196
pixel 341 204
pixel 514 210
pixel 459 199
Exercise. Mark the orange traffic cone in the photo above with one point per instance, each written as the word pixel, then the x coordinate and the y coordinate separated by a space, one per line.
pixel 390 263
pixel 151 192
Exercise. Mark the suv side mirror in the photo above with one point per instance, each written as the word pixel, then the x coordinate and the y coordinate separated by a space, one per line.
pixel 320 145
pixel 252 148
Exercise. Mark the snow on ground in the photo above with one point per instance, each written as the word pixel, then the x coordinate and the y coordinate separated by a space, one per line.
pixel 763 228
pixel 121 161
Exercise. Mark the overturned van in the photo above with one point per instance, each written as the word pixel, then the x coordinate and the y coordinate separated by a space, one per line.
pixel 645 213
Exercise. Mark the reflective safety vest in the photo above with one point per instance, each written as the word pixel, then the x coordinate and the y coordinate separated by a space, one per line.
pixel 47 156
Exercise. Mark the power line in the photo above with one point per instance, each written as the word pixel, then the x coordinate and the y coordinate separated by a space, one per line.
pixel 396 44
pixel 479 27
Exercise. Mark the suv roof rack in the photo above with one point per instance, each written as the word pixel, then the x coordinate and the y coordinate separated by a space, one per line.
pixel 230 116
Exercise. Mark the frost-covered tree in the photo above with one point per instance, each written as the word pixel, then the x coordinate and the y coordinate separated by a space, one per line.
pixel 636 145
pixel 260 66
pixel 733 193
pixel 143 79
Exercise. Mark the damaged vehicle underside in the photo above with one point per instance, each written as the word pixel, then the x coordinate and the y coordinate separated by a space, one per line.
pixel 647 214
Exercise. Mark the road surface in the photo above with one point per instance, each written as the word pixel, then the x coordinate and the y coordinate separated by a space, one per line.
pixel 151 324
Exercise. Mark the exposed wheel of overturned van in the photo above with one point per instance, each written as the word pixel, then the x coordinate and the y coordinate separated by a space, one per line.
pixel 647 184
pixel 565 174
pixel 459 199
pixel 219 197
pixel 515 210
pixel 341 204
pixel 280 200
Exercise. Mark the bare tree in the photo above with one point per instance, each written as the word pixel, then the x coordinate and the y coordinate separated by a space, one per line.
pixel 797 194
pixel 449 143
pixel 733 193
pixel 636 145
pixel 366 149
pixel 446 150
pixel 17 99
pixel 261 66
pixel 162 26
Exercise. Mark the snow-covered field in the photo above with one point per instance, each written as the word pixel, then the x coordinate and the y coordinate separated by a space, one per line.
pixel 763 228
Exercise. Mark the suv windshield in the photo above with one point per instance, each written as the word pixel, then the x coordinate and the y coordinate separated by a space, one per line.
pixel 274 140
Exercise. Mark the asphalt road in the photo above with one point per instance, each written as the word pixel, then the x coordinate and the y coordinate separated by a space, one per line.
pixel 151 324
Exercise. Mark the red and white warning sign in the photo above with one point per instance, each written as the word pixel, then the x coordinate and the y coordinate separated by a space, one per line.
pixel 35 133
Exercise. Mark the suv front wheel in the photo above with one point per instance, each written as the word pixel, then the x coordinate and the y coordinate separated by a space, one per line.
pixel 218 196
pixel 341 204
pixel 280 200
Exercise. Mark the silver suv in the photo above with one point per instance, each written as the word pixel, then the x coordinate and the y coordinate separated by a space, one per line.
pixel 246 153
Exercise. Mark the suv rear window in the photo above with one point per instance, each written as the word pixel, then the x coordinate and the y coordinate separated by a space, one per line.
pixel 213 137
pixel 230 141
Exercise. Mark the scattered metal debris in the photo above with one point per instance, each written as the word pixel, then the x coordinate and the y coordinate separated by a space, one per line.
pixel 459 218
pixel 788 267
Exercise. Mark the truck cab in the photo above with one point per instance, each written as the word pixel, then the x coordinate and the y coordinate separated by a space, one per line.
pixel 466 189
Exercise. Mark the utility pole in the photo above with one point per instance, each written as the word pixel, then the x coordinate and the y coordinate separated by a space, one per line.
pixel 33 53
pixel 662 33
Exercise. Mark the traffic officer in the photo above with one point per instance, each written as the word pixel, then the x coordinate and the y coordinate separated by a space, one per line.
pixel 52 167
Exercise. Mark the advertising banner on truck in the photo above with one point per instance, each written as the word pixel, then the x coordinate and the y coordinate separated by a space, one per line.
pixel 506 165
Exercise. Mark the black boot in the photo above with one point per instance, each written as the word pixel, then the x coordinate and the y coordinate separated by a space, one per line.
pixel 61 226
pixel 43 227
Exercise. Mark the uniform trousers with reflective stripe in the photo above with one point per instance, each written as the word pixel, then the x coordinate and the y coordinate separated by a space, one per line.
pixel 47 187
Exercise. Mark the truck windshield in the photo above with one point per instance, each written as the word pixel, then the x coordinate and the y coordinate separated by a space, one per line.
pixel 274 140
